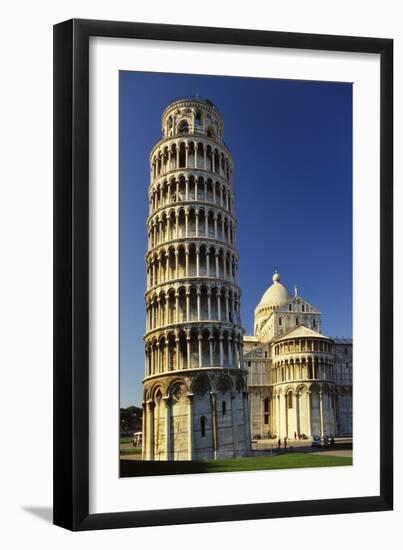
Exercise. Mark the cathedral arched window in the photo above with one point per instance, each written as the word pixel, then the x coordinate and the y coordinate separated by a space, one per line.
pixel 289 307
pixel 289 400
pixel 303 307
pixel 203 426
pixel 279 321
pixel 266 411
pixel 224 408
pixel 296 320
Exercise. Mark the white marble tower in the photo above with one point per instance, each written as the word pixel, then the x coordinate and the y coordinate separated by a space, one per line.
pixel 195 393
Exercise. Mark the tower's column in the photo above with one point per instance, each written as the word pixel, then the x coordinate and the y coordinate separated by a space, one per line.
pixel 197 260
pixel 177 306
pixel 308 412
pixel 150 430
pixel 322 433
pixel 209 303
pixel 178 361
pixel 221 338
pixel 219 305
pixel 198 304
pixel 187 304
pixel 188 358
pixel 214 424
pixel 144 430
pixel 200 350
pixel 176 263
pixel 190 426
pixel 167 402
pixel 187 261
pixel 210 341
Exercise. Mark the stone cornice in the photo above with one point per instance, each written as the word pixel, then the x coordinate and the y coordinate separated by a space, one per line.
pixel 195 205
pixel 187 172
pixel 194 137
pixel 213 325
pixel 197 241
pixel 177 283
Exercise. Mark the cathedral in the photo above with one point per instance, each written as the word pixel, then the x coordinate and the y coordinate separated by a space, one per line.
pixel 299 380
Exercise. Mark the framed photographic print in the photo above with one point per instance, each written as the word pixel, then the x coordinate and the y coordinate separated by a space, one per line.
pixel 223 321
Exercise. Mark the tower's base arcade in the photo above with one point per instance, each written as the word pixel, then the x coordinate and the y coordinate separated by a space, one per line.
pixel 196 415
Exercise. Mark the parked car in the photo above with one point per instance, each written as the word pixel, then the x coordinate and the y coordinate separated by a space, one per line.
pixel 316 442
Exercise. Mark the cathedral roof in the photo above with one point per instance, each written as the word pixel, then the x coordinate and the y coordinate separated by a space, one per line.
pixel 276 295
pixel 301 331
pixel 250 338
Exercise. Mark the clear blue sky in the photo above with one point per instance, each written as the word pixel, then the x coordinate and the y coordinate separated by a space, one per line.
pixel 291 142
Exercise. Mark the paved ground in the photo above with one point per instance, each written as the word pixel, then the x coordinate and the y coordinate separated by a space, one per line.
pixel 268 446
pixel 336 452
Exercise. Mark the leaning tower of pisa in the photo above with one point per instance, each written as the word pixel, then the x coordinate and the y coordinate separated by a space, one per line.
pixel 195 394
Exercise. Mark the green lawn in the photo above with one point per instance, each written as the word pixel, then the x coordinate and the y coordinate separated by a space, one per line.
pixel 130 451
pixel 127 439
pixel 289 460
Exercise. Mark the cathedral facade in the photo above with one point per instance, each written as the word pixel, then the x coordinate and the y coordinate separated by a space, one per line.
pixel 299 380
pixel 195 402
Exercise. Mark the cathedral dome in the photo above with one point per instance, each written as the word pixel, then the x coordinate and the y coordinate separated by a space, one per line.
pixel 276 295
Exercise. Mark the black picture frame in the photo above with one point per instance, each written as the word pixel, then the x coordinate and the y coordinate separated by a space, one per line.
pixel 71 274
